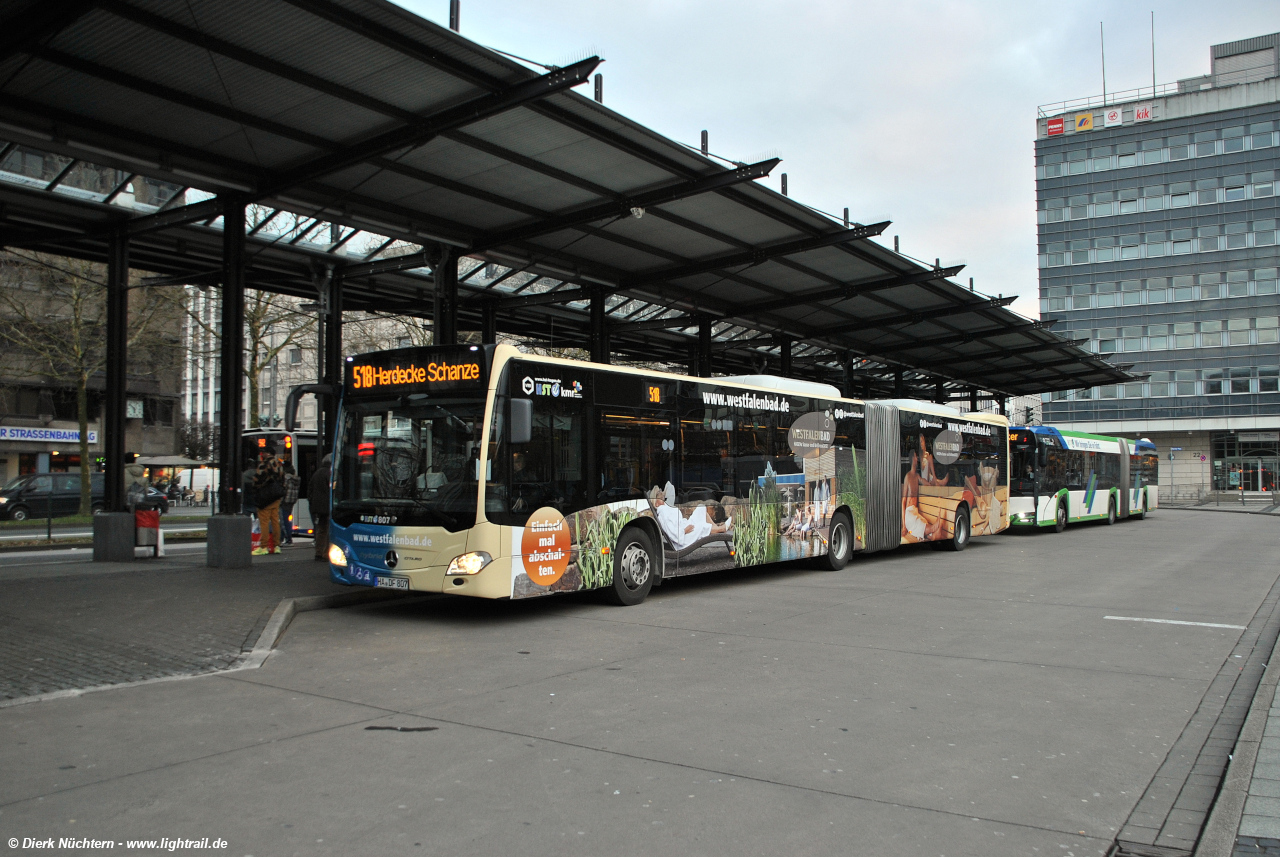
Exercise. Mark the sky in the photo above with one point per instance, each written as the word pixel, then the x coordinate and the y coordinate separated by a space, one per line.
pixel 917 111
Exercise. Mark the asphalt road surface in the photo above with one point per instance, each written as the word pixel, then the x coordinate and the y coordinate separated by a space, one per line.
pixel 916 703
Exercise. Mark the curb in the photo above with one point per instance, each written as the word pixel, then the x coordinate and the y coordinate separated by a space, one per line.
pixel 279 622
pixel 1218 839
pixel 1223 511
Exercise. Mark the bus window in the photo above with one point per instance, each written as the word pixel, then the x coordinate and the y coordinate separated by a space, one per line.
pixel 1022 464
pixel 548 470
pixel 637 452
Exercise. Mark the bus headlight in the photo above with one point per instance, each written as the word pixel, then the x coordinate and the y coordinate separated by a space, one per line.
pixel 469 563
pixel 337 556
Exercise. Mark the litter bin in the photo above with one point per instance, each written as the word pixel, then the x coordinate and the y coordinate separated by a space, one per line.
pixel 146 522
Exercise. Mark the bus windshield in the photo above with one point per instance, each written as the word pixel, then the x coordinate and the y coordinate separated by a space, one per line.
pixel 410 460
pixel 1022 463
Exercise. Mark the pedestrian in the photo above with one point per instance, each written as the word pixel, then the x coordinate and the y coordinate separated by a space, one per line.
pixel 268 491
pixel 318 498
pixel 291 485
pixel 246 490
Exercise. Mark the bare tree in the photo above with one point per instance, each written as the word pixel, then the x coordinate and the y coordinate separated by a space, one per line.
pixel 53 320
pixel 273 323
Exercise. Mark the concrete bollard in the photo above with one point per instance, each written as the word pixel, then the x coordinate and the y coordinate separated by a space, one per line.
pixel 228 544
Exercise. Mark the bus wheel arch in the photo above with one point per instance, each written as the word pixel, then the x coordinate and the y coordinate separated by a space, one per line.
pixel 1060 514
pixel 636 564
pixel 650 528
pixel 961 530
pixel 840 540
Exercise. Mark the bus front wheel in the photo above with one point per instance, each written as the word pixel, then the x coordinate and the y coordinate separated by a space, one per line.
pixel 634 567
pixel 839 543
pixel 1111 512
pixel 1060 518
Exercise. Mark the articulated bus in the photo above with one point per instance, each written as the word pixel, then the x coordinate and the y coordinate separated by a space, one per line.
pixel 299 448
pixel 1060 477
pixel 480 470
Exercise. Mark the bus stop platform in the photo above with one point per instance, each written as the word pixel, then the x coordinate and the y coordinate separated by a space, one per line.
pixel 70 623
pixel 1072 694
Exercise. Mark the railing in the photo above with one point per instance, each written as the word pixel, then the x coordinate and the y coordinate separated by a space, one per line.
pixel 1125 96
pixel 1227 78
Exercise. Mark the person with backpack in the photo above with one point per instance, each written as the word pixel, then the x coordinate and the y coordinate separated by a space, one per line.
pixel 291 485
pixel 268 491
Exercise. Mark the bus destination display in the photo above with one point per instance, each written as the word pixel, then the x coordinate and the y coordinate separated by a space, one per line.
pixel 400 370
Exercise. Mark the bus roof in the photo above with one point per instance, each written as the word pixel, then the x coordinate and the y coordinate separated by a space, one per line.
pixel 1139 445
pixel 765 383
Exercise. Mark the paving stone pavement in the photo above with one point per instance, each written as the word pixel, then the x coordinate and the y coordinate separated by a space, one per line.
pixel 81 624
pixel 1259 832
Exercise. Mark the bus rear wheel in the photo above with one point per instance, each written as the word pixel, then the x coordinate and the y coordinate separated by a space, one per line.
pixel 839 543
pixel 1060 518
pixel 1111 511
pixel 960 532
pixel 1142 516
pixel 634 567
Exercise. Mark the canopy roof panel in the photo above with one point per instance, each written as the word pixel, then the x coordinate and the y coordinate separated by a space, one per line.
pixel 381 140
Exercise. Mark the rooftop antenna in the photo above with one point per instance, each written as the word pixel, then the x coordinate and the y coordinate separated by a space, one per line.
pixel 455 15
pixel 784 184
pixel 971 284
pixel 895 243
pixel 846 218
pixel 704 142
pixel 599 87
pixel 1103 40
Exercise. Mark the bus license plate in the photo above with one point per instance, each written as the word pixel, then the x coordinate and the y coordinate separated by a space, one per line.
pixel 393 583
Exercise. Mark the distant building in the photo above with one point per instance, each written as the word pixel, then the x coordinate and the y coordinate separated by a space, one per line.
pixel 1157 243
pixel 39 376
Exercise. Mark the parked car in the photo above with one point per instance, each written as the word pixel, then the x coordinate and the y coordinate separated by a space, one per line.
pixel 41 494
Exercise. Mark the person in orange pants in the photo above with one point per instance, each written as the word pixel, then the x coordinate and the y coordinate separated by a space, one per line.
pixel 268 490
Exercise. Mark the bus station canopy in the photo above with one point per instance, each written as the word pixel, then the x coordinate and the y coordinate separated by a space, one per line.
pixel 373 146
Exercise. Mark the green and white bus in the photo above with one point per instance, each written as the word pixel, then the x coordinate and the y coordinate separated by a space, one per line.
pixel 1061 477
pixel 480 470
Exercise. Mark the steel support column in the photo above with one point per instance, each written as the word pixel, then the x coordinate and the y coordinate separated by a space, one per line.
pixel 489 322
pixel 973 398
pixel 704 347
pixel 897 384
pixel 847 378
pixel 232 421
pixel 784 352
pixel 939 394
pixel 333 368
pixel 599 327
pixel 1004 405
pixel 446 299
pixel 114 407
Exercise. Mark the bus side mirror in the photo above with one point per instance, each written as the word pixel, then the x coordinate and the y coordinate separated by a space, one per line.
pixel 521 420
pixel 291 403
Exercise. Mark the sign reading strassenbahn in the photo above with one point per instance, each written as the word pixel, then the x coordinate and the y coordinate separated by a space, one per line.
pixel 426 369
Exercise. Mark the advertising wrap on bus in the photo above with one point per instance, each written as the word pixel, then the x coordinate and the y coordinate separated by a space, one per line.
pixel 481 470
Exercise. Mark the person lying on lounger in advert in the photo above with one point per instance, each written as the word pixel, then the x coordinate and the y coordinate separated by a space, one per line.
pixel 917 524
pixel 683 530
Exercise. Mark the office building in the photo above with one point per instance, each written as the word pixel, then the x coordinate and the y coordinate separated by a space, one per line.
pixel 1157 243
